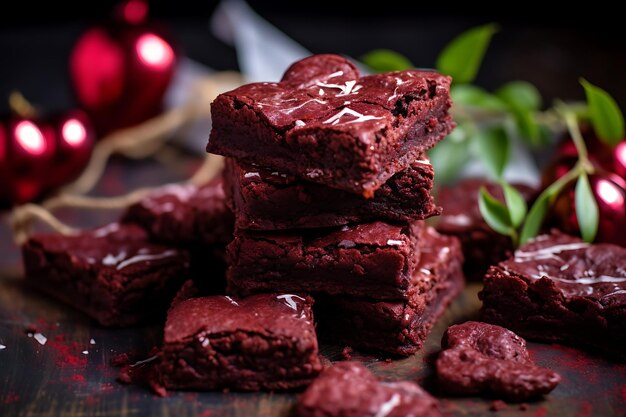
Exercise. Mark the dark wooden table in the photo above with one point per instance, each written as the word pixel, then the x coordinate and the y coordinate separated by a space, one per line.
pixel 71 375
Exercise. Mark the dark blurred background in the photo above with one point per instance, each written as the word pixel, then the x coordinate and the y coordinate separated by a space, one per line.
pixel 550 49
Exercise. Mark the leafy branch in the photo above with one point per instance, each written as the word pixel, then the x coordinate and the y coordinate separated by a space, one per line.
pixel 501 217
pixel 487 123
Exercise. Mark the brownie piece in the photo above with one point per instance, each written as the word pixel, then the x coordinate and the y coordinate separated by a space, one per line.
pixel 263 342
pixel 362 260
pixel 397 327
pixel 559 288
pixel 269 200
pixel 185 214
pixel 114 274
pixel 349 389
pixel 196 218
pixel 326 124
pixel 483 358
pixel 482 246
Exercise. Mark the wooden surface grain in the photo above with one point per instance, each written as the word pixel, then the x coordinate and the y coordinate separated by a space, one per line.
pixel 58 379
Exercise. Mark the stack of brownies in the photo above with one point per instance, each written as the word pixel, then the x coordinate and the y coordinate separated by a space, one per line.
pixel 327 176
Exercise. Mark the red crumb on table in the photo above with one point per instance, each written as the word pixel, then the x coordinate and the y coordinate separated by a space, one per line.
pixel 541 412
pixel 205 413
pixel 573 358
pixel 120 359
pixel 10 398
pixel 523 406
pixel 140 372
pixel 68 355
pixel 498 405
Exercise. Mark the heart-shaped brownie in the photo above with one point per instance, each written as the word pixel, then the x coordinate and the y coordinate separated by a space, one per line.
pixel 483 358
pixel 325 123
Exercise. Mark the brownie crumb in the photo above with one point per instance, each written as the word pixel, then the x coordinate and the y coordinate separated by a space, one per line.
pixel 498 405
pixel 30 329
pixel 523 406
pixel 119 360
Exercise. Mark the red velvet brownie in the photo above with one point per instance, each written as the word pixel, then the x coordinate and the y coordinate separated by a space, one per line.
pixel 185 214
pixel 483 358
pixel 269 200
pixel 372 259
pixel 349 389
pixel 559 288
pixel 114 274
pixel 397 327
pixel 263 342
pixel 461 217
pixel 326 124
pixel 192 217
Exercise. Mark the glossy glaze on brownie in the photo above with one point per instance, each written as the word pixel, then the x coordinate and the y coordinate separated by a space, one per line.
pixel 114 274
pixel 483 358
pixel 325 123
pixel 263 342
pixel 349 389
pixel 369 260
pixel 461 217
pixel 185 214
pixel 559 288
pixel 397 327
pixel 270 200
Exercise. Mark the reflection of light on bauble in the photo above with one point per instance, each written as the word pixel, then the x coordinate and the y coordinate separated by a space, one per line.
pixel 609 193
pixel 154 51
pixel 30 137
pixel 73 132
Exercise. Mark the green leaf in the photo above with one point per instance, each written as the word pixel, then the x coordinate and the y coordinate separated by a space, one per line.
pixel 472 96
pixel 462 57
pixel 493 147
pixel 515 203
pixel 586 209
pixel 520 94
pixel 606 117
pixel 450 155
pixel 385 60
pixel 535 217
pixel 495 213
pixel 527 126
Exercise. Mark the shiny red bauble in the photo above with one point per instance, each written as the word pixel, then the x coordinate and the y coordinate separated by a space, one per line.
pixel 609 191
pixel 38 155
pixel 611 159
pixel 74 138
pixel 120 71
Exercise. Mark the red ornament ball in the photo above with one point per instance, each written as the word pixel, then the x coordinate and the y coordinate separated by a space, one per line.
pixel 38 155
pixel 120 71
pixel 608 185
pixel 609 191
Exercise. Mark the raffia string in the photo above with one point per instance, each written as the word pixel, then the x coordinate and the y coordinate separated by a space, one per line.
pixel 137 142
